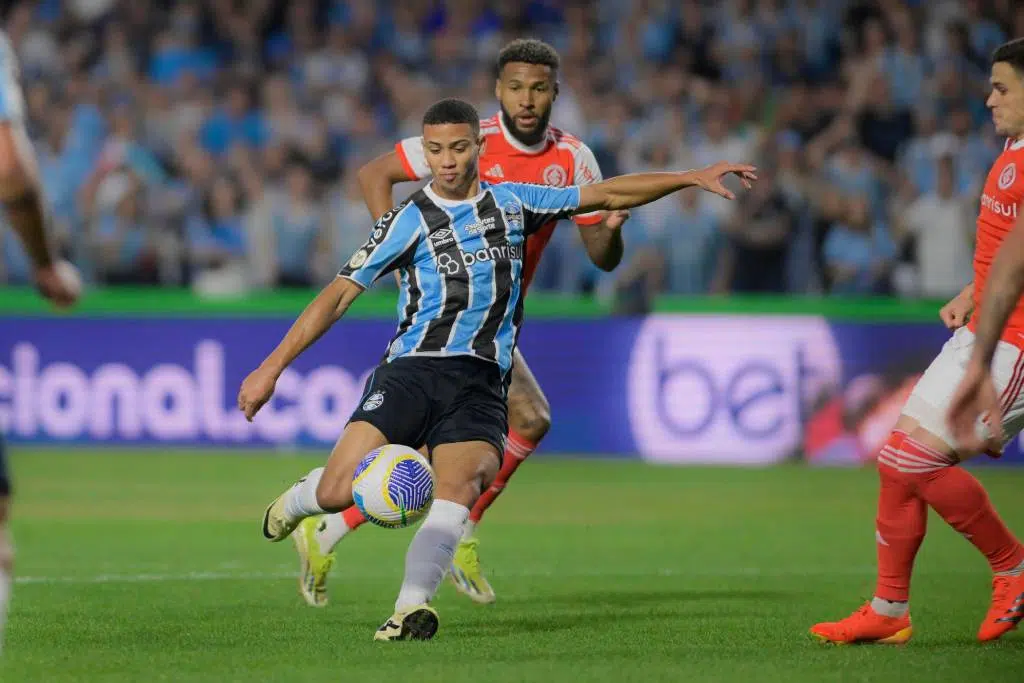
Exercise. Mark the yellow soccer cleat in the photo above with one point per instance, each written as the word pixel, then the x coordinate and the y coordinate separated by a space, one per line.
pixel 416 623
pixel 314 565
pixel 466 574
pixel 276 525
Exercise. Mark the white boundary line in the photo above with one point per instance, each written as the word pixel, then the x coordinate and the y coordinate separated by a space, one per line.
pixel 235 574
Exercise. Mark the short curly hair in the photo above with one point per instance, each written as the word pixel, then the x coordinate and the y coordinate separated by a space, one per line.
pixel 452 110
pixel 529 51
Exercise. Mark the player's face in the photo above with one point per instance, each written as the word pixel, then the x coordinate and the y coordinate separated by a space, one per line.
pixel 1007 100
pixel 526 93
pixel 452 151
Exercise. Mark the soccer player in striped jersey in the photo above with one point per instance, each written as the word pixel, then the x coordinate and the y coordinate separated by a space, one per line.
pixel 519 146
pixel 24 210
pixel 458 245
pixel 920 465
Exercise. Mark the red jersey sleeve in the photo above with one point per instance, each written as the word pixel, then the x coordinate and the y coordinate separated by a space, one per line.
pixel 586 172
pixel 414 159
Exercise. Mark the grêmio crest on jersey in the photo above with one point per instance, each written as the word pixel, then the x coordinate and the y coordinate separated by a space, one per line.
pixel 513 215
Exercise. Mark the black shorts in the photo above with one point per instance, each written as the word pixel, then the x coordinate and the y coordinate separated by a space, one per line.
pixel 417 400
pixel 5 480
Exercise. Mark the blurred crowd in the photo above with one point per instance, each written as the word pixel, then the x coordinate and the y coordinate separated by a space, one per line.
pixel 215 143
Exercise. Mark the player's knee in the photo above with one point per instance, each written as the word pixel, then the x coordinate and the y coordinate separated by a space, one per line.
pixel 529 416
pixel 488 472
pixel 464 491
pixel 465 486
pixel 334 491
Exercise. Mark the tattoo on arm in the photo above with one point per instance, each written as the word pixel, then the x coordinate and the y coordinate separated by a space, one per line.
pixel 28 218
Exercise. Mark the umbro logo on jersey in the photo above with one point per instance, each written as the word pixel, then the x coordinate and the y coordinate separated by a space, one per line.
pixel 442 237
pixel 495 171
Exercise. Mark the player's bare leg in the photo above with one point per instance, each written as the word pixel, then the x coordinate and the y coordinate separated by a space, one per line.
pixel 529 421
pixel 324 489
pixel 315 540
pixel 529 417
pixel 918 469
pixel 462 471
pixel 330 529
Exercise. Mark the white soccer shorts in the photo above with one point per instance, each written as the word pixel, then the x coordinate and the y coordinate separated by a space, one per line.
pixel 929 401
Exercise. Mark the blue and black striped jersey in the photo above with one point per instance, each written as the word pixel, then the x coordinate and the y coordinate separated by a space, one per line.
pixel 461 265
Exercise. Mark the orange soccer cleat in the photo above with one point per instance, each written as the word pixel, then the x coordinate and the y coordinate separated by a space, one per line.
pixel 1007 608
pixel 865 626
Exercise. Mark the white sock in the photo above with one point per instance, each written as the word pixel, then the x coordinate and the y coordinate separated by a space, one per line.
pixel 5 598
pixel 468 529
pixel 889 608
pixel 330 531
pixel 430 553
pixel 300 501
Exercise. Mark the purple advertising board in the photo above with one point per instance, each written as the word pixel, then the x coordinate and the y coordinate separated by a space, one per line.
pixel 667 388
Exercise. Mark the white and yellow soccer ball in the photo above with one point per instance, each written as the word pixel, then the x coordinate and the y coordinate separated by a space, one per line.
pixel 393 486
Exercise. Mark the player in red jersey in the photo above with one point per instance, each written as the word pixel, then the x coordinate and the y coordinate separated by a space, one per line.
pixel 519 146
pixel 918 466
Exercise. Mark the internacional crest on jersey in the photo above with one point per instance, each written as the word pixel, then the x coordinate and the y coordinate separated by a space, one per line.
pixel 461 265
pixel 559 160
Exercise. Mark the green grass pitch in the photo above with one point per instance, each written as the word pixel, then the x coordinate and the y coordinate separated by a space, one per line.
pixel 149 566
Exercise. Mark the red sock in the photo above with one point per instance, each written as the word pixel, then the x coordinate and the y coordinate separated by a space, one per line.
pixel 517 449
pixel 962 501
pixel 353 517
pixel 900 524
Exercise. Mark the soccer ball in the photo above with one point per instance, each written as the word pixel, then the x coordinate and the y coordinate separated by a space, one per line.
pixel 393 486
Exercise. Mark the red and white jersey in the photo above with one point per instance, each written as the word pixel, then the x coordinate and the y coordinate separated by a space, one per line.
pixel 559 159
pixel 1001 207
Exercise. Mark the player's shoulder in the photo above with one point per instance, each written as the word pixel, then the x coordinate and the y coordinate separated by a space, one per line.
pixel 490 126
pixel 564 139
pixel 505 189
pixel 1013 150
pixel 514 190
pixel 1008 169
pixel 407 211
pixel 581 154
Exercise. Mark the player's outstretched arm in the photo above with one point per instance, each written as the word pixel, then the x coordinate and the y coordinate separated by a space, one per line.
pixel 377 178
pixel 325 310
pixel 637 189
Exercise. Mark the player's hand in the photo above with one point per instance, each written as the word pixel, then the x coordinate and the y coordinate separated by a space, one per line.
pixel 710 177
pixel 615 219
pixel 256 390
pixel 976 397
pixel 956 313
pixel 59 282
